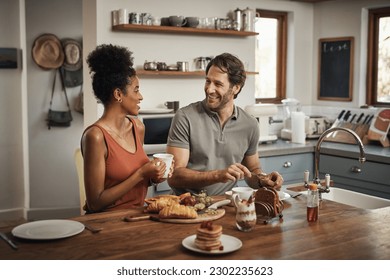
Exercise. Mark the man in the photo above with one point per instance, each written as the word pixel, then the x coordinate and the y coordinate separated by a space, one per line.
pixel 214 142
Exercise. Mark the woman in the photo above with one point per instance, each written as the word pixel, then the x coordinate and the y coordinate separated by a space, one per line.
pixel 117 171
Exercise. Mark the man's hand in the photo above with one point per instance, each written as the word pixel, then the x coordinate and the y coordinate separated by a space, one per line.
pixel 273 180
pixel 234 172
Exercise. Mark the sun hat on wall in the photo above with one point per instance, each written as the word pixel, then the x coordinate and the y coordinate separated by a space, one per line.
pixel 73 54
pixel 47 52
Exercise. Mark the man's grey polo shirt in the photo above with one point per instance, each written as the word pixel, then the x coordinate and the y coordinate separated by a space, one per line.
pixel 196 128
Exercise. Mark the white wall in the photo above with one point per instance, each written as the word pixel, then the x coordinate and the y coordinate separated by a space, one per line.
pixel 36 165
pixel 172 48
pixel 11 115
pixel 53 179
pixel 344 19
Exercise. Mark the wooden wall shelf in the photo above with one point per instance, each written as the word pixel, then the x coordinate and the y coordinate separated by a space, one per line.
pixel 181 30
pixel 142 72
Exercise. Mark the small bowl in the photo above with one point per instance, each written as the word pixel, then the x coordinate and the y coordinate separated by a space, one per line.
pixel 165 21
pixel 192 22
pixel 177 21
pixel 172 68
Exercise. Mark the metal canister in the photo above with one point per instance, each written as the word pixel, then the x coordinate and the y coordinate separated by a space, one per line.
pixel 237 19
pixel 182 66
pixel 201 62
pixel 248 19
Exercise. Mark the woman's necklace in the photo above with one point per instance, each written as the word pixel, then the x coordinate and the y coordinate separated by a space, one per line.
pixel 115 132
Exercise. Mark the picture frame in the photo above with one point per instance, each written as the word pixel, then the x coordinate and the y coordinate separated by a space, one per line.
pixel 8 58
pixel 335 69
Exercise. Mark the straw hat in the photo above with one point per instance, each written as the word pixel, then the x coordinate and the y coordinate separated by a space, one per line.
pixel 47 52
pixel 73 54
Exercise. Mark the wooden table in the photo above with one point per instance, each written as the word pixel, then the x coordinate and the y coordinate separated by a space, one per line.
pixel 343 232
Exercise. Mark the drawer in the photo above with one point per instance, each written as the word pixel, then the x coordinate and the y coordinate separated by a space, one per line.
pixel 353 169
pixel 291 167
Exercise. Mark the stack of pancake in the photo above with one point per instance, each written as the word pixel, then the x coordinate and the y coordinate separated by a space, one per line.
pixel 208 236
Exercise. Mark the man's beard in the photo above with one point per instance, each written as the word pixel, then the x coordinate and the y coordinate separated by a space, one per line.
pixel 222 103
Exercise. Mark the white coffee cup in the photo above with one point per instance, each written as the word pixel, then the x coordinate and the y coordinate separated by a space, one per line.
pixel 167 158
pixel 243 192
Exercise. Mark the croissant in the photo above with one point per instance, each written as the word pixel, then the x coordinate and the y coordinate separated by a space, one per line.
pixel 156 205
pixel 164 197
pixel 178 211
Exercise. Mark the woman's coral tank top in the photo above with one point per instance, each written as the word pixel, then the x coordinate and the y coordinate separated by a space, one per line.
pixel 121 164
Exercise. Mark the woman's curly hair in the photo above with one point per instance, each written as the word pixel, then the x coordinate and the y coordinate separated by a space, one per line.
pixel 110 67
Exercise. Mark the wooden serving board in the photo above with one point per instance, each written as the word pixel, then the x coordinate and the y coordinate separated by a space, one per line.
pixel 201 218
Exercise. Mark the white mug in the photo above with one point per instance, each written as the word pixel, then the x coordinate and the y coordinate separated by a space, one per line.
pixel 167 158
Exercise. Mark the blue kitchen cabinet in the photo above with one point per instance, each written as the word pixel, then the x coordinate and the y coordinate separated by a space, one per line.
pixel 290 166
pixel 372 178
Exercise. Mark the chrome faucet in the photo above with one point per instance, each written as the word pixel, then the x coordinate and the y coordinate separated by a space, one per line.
pixel 362 157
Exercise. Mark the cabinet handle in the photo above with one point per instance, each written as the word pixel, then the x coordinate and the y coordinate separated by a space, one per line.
pixel 355 169
pixel 287 164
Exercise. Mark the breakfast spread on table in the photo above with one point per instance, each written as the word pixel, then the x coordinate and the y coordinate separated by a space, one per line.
pixel 185 208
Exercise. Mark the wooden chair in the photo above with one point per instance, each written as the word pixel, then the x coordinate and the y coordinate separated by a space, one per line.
pixel 78 157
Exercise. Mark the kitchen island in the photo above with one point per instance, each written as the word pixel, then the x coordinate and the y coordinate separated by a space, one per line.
pixel 342 232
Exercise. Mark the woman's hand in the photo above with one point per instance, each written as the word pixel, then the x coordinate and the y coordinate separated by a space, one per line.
pixel 154 170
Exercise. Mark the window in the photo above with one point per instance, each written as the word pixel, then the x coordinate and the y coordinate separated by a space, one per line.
pixel 271 50
pixel 378 71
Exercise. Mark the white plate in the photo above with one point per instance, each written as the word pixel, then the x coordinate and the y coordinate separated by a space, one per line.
pixel 155 111
pixel 283 195
pixel 229 243
pixel 48 229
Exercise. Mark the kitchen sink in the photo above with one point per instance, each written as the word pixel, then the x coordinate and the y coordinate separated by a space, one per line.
pixel 355 199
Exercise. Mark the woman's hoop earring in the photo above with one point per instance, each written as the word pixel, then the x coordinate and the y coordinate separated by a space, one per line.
pixel 119 100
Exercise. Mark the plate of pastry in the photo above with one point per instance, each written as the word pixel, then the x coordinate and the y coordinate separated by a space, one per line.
pixel 181 209
pixel 228 244
pixel 210 240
